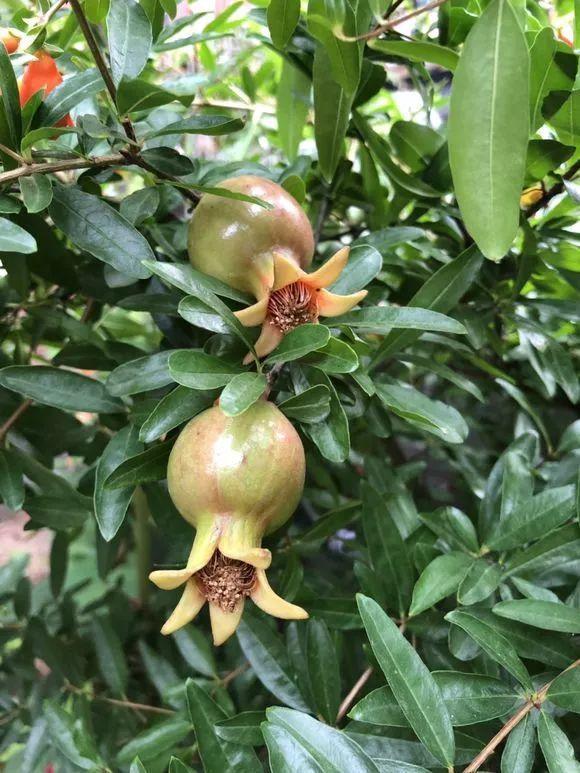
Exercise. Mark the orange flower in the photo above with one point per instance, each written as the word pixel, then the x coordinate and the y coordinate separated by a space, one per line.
pixel 11 42
pixel 41 75
pixel 295 298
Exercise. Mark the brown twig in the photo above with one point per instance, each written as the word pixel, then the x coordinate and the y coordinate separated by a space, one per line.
pixel 231 675
pixel 232 105
pixel 11 153
pixel 354 691
pixel 51 11
pixel 5 428
pixel 535 701
pixel 61 166
pixel 391 24
pixel 134 706
pixel 554 190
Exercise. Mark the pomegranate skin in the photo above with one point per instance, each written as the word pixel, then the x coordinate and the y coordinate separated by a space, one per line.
pixel 248 468
pixel 234 241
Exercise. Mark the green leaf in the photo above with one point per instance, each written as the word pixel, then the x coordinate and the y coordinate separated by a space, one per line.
pixel 343 56
pixel 283 16
pixel 141 375
pixel 129 37
pixel 520 749
pixel 267 656
pixel 110 655
pixel 69 94
pixel 172 410
pixel 410 680
pixel 210 299
pixel 243 728
pixel 149 465
pixel 556 747
pixel 242 392
pixel 216 754
pixel 417 51
pixel 331 114
pixel 58 562
pixel 11 482
pixel 489 128
pixel 299 342
pixel 111 505
pixel 481 581
pixel 364 263
pixel 565 690
pixel 441 292
pixel 549 615
pixel 213 125
pixel 201 371
pixel 541 61
pixel 140 205
pixel 429 415
pixel 469 698
pixel 566 120
pixel 196 650
pixel 323 669
pixel 94 226
pixel 334 357
pixel 492 642
pixel 13 238
pixel 382 319
pixel 438 580
pixel 156 739
pixel 319 747
pixel 10 115
pixel 59 388
pixel 140 95
pixel 387 550
pixel 534 518
pixel 96 11
pixel 292 105
pixel 331 436
pixel 56 512
pixel 310 406
pixel 70 739
pixel 36 192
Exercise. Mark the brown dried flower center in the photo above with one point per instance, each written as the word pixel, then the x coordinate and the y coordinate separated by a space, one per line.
pixel 292 305
pixel 224 581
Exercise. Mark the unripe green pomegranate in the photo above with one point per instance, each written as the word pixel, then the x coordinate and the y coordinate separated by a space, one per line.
pixel 235 241
pixel 234 479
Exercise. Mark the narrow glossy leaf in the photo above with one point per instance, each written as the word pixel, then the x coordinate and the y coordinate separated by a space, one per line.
pixel 489 128
pixel 556 747
pixel 364 263
pixel 141 375
pixel 411 683
pixel 438 580
pixel 73 742
pixel 110 655
pixel 441 292
pixel 201 371
pixel 36 192
pixel 111 505
pixel 331 749
pixel 156 739
pixel 343 56
pixel 299 342
pixel 242 392
pixel 69 94
pixel 331 114
pixel 140 205
pixel 492 642
pixel 549 615
pixel 59 388
pixel 332 435
pixel 56 512
pixel 430 415
pixel 387 550
pixel 267 656
pixel 324 671
pixel 520 749
pixel 11 482
pixel 58 563
pixel 149 465
pixel 469 698
pixel 480 582
pixel 417 51
pixel 565 690
pixel 532 519
pixel 541 60
pixel 94 226
pixel 335 357
pixel 283 16
pixel 243 728
pixel 382 319
pixel 13 238
pixel 211 300
pixel 432 366
pixel 10 115
pixel 200 124
pixel 310 406
pixel 129 36
pixel 285 753
pixel 172 410
pixel 195 650
pixel 216 753
pixel 566 120
pixel 292 105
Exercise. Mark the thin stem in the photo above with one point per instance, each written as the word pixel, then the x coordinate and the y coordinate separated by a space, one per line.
pixel 11 153
pixel 354 691
pixel 229 677
pixel 61 166
pixel 5 428
pixel 135 706
pixel 139 161
pixel 52 10
pixel 388 25
pixel 232 105
pixel 531 703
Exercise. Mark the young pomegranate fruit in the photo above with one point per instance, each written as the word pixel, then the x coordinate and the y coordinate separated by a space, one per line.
pixel 264 252
pixel 234 479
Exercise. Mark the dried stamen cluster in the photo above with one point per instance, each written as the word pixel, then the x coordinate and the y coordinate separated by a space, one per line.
pixel 292 305
pixel 224 581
